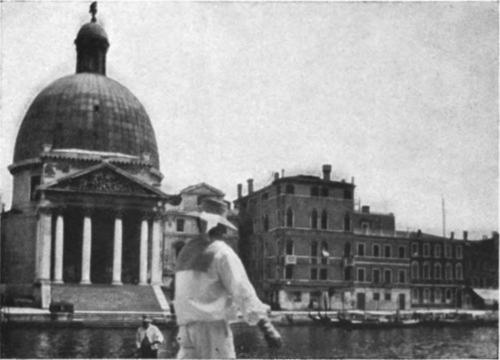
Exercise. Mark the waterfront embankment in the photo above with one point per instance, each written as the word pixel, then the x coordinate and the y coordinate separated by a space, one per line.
pixel 34 316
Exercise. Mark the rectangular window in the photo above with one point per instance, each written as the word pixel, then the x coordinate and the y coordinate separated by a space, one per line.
pixel 314 274
pixel 402 252
pixel 348 273
pixel 387 276
pixel 361 275
pixel 458 251
pixel 437 251
pixel 35 182
pixel 387 251
pixel 387 296
pixel 289 272
pixel 376 250
pixel 426 250
pixel 402 276
pixel 289 247
pixel 180 225
pixel 324 192
pixel 376 296
pixel 265 196
pixel 376 276
pixel 323 274
pixel 297 296
pixel 361 249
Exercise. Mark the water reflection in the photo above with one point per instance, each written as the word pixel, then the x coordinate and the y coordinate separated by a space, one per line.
pixel 300 342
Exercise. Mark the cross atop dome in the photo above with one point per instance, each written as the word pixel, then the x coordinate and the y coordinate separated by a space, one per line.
pixel 93 11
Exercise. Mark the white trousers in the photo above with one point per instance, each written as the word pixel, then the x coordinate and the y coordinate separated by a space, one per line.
pixel 206 340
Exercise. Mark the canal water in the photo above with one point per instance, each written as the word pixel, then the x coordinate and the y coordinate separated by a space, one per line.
pixel 299 342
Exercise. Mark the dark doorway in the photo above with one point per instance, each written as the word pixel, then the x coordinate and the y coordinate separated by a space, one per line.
pixel 402 301
pixel 458 298
pixel 101 262
pixel 131 247
pixel 72 248
pixel 361 303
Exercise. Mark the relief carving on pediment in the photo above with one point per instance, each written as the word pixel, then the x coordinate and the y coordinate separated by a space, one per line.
pixel 104 181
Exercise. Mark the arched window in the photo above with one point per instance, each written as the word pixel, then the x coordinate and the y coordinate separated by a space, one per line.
pixel 324 219
pixel 448 295
pixel 427 271
pixel 427 296
pixel 438 296
pixel 289 217
pixel 459 274
pixel 324 253
pixel 448 272
pixel 414 270
pixel 289 189
pixel 437 271
pixel 347 222
pixel 414 296
pixel 314 252
pixel 314 219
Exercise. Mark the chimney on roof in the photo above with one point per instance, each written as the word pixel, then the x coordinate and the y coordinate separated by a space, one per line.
pixel 240 190
pixel 419 233
pixel 365 209
pixel 327 169
pixel 250 186
pixel 452 235
pixel 276 175
pixel 352 180
pixel 465 235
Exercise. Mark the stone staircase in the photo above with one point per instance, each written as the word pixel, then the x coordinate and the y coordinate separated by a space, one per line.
pixel 108 298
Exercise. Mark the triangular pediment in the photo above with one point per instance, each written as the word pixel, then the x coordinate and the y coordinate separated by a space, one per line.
pixel 202 189
pixel 104 179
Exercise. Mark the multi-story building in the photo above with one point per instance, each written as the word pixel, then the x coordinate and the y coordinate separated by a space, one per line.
pixel 306 246
pixel 481 271
pixel 180 227
pixel 437 271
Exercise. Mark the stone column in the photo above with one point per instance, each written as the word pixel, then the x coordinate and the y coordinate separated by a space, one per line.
pixel 59 249
pixel 44 241
pixel 87 247
pixel 143 272
pixel 156 270
pixel 117 250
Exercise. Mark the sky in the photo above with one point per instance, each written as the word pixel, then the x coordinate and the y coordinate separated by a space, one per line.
pixel 401 96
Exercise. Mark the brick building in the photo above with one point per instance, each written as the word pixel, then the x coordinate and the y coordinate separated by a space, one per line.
pixel 306 246
pixel 437 272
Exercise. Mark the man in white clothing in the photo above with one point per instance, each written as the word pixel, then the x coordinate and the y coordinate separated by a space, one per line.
pixel 148 338
pixel 211 285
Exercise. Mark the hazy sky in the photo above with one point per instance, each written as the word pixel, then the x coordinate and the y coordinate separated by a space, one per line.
pixel 401 96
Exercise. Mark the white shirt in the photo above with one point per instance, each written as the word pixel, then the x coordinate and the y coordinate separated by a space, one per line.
pixel 152 332
pixel 211 284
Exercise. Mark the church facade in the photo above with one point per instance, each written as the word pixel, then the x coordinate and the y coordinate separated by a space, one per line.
pixel 87 213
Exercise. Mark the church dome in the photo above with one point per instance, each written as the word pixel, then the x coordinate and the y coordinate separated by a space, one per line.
pixel 86 111
pixel 92 29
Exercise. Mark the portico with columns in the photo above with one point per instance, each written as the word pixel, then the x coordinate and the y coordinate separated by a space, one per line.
pixel 84 221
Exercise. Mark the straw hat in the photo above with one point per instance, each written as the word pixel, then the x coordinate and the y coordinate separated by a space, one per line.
pixel 213 212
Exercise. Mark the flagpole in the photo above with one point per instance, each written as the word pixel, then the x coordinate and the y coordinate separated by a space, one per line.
pixel 444 219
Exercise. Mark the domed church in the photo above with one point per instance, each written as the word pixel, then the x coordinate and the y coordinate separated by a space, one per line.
pixel 87 206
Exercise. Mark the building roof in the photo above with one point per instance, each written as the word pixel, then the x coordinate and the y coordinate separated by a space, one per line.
pixel 89 112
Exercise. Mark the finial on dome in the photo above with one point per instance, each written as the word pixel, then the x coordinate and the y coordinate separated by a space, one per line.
pixel 93 11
